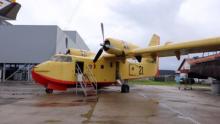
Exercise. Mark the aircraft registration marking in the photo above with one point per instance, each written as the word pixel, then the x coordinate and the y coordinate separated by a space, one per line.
pixel 136 70
pixel 141 70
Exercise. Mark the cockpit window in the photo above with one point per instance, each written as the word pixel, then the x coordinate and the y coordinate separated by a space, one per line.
pixel 61 59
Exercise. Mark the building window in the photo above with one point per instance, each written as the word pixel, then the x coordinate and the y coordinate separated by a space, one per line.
pixel 66 41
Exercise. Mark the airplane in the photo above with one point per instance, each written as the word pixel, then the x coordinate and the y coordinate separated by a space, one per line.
pixel 9 9
pixel 121 62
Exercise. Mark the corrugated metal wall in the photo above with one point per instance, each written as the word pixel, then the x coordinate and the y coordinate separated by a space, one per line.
pixel 34 44
pixel 26 44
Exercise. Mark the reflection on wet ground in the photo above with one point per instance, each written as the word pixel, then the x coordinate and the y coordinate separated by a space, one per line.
pixel 57 102
pixel 144 104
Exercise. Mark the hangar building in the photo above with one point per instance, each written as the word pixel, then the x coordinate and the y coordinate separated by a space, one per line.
pixel 23 46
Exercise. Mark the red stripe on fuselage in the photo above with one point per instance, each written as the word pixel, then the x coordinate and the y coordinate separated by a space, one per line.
pixel 59 84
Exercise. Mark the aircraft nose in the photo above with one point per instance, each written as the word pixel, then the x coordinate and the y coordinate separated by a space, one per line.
pixel 44 67
pixel 40 72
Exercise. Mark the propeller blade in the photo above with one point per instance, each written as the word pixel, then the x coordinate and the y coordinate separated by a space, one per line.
pixel 102 27
pixel 103 45
pixel 98 55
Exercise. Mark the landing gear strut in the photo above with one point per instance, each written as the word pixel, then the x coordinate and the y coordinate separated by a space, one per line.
pixel 49 91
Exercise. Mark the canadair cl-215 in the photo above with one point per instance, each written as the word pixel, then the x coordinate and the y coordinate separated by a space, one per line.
pixel 121 62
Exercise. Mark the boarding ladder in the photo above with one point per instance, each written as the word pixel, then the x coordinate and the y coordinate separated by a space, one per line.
pixel 86 82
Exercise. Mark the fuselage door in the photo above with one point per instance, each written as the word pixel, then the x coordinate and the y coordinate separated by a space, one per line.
pixel 79 67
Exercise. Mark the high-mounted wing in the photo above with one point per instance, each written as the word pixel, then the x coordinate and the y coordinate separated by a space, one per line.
pixel 177 49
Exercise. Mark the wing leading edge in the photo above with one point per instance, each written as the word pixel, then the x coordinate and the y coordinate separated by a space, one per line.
pixel 177 49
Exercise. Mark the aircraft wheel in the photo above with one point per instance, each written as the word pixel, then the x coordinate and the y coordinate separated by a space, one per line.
pixel 125 88
pixel 49 91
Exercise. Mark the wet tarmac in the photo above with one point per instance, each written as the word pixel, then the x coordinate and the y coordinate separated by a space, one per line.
pixel 27 103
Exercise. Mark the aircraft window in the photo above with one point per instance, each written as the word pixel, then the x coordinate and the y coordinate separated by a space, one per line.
pixel 102 66
pixel 111 64
pixel 61 59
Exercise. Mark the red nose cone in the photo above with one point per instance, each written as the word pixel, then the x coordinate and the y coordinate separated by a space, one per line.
pixel 38 78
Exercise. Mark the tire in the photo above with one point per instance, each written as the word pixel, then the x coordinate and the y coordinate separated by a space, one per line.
pixel 122 88
pixel 49 91
pixel 125 88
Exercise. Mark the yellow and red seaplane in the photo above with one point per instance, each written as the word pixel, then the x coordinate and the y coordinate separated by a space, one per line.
pixel 121 62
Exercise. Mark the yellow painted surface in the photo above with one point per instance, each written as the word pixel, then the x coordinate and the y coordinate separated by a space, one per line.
pixel 104 69
pixel 197 46
pixel 56 70
pixel 78 52
pixel 120 46
pixel 134 69
pixel 140 70
pixel 106 74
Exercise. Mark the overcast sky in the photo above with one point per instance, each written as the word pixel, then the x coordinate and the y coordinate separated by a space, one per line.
pixel 130 20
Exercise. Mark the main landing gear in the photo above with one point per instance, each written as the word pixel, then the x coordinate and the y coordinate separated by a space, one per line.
pixel 125 87
pixel 49 91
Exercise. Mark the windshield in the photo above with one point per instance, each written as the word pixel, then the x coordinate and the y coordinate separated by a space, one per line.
pixel 61 59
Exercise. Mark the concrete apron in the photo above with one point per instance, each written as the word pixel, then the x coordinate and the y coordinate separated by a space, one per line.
pixel 215 87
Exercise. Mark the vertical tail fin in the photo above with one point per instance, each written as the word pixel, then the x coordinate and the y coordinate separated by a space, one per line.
pixel 155 40
pixel 9 9
pixel 152 63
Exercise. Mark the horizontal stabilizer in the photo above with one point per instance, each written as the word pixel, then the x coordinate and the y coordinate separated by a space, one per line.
pixel 9 10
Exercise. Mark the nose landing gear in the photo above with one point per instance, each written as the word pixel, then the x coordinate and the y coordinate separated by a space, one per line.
pixel 49 91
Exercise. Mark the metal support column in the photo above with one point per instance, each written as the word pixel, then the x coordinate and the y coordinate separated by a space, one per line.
pixel 3 72
pixel 0 73
pixel 30 66
pixel 28 72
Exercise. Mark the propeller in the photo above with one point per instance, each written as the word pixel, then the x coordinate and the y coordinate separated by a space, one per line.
pixel 103 45
pixel 98 55
pixel 102 28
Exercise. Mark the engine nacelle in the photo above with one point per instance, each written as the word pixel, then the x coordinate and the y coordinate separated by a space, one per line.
pixel 117 47
pixel 79 52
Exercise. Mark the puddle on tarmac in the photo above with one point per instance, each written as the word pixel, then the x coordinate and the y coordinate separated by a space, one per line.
pixel 5 101
pixel 180 101
pixel 78 102
pixel 152 107
pixel 88 115
pixel 56 104
pixel 52 121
